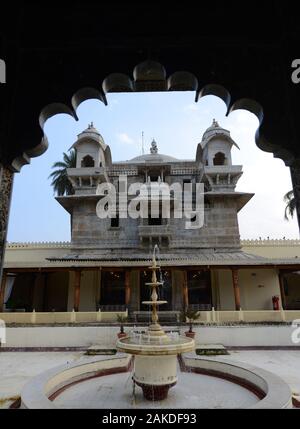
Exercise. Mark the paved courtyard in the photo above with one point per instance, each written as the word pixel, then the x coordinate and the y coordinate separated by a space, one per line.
pixel 16 368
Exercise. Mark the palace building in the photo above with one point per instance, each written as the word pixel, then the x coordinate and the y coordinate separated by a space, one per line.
pixel 105 266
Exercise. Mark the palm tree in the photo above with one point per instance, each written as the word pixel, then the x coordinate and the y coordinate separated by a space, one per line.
pixel 290 208
pixel 60 181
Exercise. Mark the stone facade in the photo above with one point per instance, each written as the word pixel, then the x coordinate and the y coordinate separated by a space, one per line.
pixel 134 238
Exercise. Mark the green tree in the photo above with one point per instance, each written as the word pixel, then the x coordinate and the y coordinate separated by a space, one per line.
pixel 60 181
pixel 290 208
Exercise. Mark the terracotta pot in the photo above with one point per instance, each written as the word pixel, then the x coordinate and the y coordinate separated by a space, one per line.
pixel 190 334
pixel 122 334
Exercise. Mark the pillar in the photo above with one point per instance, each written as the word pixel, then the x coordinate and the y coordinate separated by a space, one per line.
pixel 185 290
pixel 281 284
pixel 295 175
pixel 6 185
pixel 135 289
pixel 236 289
pixel 37 295
pixel 127 287
pixel 77 283
pixel 215 290
pixel 98 289
pixel 2 291
pixel 44 297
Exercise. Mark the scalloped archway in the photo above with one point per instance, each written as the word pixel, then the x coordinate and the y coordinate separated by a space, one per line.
pixel 228 51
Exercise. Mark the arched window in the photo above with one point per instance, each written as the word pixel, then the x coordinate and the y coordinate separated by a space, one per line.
pixel 87 161
pixel 219 159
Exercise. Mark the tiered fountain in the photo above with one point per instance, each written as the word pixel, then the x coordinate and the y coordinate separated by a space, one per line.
pixel 155 363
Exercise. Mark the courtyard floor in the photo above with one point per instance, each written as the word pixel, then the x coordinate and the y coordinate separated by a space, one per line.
pixel 16 368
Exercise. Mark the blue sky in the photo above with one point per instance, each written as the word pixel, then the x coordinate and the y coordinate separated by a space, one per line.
pixel 177 124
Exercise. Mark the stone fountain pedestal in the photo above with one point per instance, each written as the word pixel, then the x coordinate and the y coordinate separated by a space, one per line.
pixel 155 360
pixel 155 375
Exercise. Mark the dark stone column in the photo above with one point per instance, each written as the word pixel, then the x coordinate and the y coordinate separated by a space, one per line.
pixel 185 290
pixel 236 289
pixel 37 292
pixel 77 284
pixel 281 284
pixel 127 287
pixel 295 174
pixel 2 290
pixel 6 185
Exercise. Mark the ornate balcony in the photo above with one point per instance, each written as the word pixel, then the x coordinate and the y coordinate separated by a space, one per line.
pixel 154 230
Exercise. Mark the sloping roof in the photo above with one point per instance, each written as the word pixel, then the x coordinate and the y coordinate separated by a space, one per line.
pixel 206 258
pixel 61 255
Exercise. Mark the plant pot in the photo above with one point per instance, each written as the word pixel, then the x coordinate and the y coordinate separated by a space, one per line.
pixel 190 334
pixel 122 334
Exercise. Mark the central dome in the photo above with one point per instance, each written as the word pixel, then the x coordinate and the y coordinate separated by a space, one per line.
pixel 153 156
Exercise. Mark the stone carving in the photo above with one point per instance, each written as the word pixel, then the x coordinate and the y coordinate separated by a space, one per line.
pixel 6 183
pixel 154 148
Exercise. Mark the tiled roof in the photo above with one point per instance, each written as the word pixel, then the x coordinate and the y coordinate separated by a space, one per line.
pixel 202 258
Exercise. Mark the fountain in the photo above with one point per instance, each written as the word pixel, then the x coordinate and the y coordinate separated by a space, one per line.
pixel 155 363
pixel 204 382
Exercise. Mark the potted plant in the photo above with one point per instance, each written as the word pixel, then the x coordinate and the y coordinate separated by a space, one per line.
pixel 189 315
pixel 122 319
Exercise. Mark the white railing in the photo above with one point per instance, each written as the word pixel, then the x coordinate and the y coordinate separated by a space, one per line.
pixel 218 317
pixel 274 242
pixel 61 317
pixel 248 316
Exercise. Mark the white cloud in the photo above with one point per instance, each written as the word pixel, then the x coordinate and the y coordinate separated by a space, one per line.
pixel 124 138
pixel 192 107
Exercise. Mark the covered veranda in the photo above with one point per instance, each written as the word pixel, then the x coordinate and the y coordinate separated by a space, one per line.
pixel 90 291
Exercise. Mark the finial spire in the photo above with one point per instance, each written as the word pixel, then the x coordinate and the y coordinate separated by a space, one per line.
pixel 215 123
pixel 153 148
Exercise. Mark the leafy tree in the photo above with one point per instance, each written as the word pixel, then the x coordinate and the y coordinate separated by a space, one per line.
pixel 60 182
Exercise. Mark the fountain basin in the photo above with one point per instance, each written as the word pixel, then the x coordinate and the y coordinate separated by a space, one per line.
pixel 155 363
pixel 53 388
pixel 174 347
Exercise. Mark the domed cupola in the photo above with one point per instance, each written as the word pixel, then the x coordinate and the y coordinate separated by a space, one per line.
pixel 213 130
pixel 91 150
pixel 92 133
pixel 216 146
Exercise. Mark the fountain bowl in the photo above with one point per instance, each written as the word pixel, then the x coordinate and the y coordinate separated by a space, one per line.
pixel 153 348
